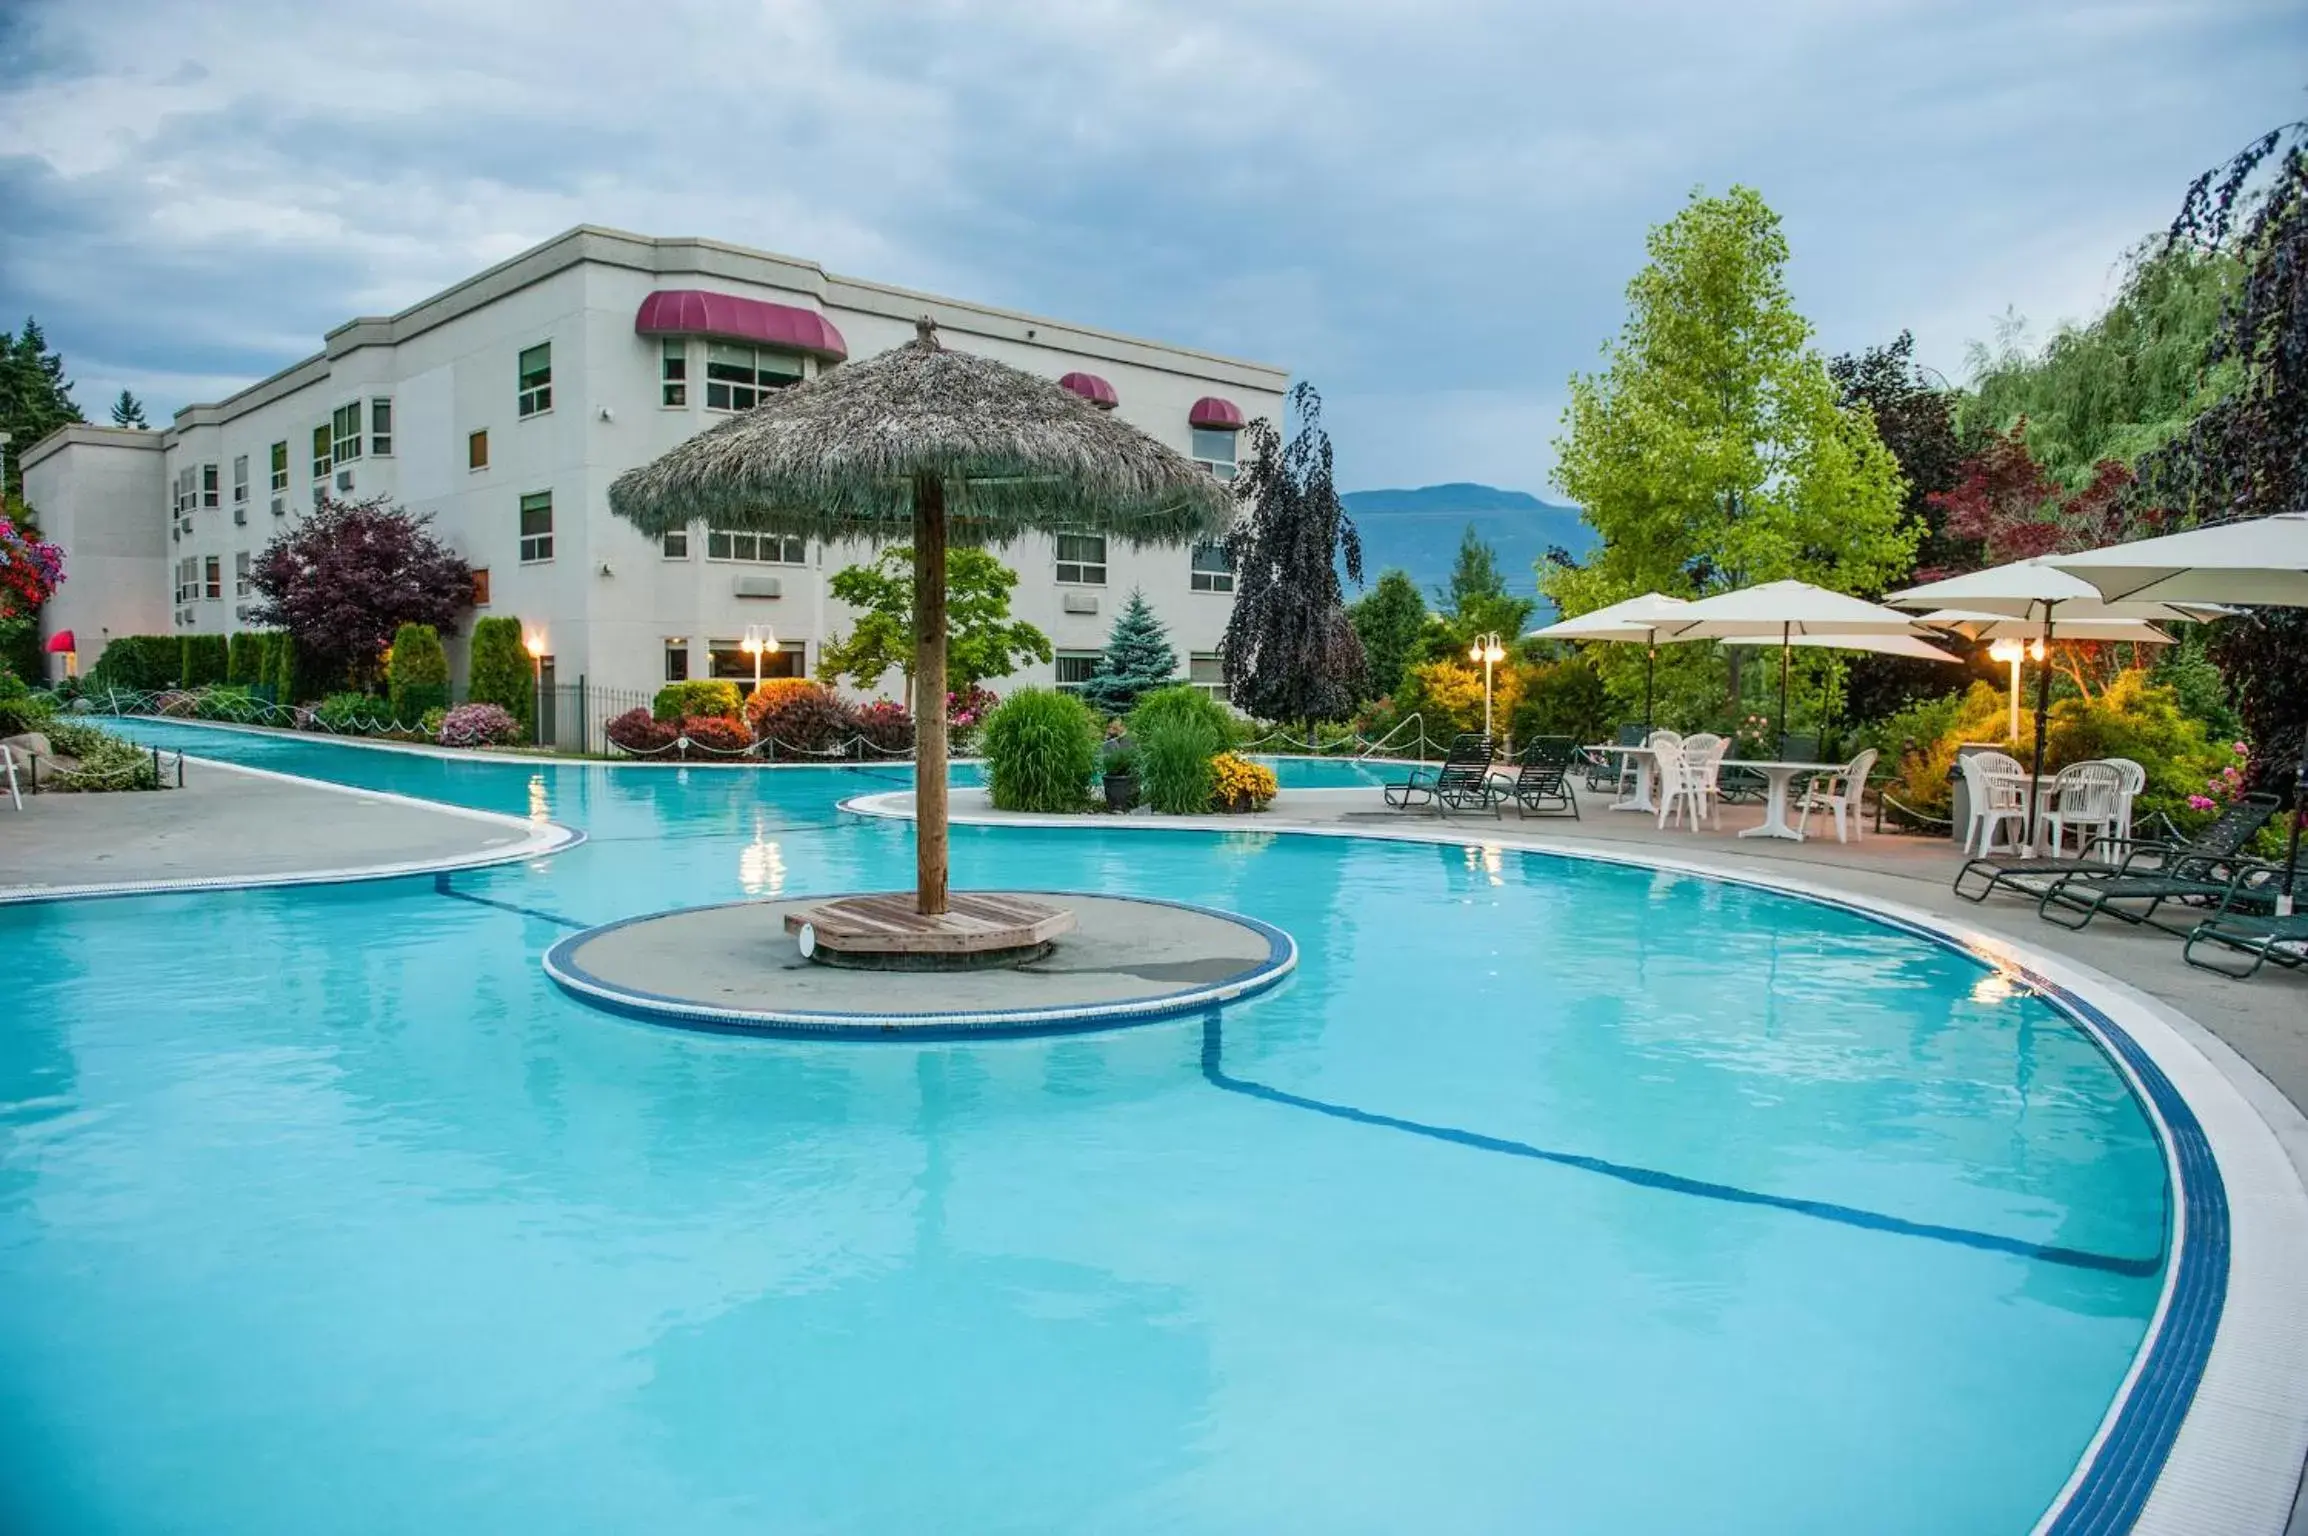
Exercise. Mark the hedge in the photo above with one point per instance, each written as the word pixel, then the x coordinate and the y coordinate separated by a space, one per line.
pixel 138 663
pixel 676 702
pixel 203 660
pixel 501 673
pixel 417 672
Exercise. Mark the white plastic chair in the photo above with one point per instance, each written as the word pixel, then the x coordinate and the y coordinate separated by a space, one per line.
pixel 1999 794
pixel 1839 793
pixel 8 766
pixel 1679 785
pixel 1703 756
pixel 1661 743
pixel 2135 779
pixel 2086 796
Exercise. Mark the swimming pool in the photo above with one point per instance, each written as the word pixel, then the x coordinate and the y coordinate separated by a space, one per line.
pixel 1547 1194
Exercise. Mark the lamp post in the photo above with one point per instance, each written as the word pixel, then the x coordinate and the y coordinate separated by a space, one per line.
pixel 2012 651
pixel 757 640
pixel 1490 653
pixel 534 644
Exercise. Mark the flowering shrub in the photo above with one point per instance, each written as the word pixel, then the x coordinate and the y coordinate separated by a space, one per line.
pixel 885 724
pixel 30 570
pixel 797 716
pixel 479 725
pixel 968 709
pixel 2224 788
pixel 638 731
pixel 715 735
pixel 1240 784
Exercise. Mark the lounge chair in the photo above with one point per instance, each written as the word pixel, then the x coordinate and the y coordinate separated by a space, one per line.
pixel 1607 769
pixel 2190 880
pixel 2108 856
pixel 1542 777
pixel 1463 780
pixel 2263 936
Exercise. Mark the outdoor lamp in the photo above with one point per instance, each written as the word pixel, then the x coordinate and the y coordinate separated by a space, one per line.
pixel 1490 653
pixel 2010 652
pixel 757 640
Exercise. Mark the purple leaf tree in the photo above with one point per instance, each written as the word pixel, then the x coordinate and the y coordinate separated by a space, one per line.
pixel 345 577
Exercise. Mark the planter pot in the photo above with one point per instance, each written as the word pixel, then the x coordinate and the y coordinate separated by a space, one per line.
pixel 1121 791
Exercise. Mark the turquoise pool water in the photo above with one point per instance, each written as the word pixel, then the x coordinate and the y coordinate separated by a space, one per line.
pixel 1546 1196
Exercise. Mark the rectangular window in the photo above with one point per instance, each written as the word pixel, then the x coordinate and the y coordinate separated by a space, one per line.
pixel 725 659
pixel 477 449
pixel 381 428
pixel 673 372
pixel 480 586
pixel 738 378
pixel 187 579
pixel 1206 672
pixel 536 379
pixel 755 548
pixel 1082 559
pixel 345 432
pixel 1211 568
pixel 239 479
pixel 1075 668
pixel 536 527
pixel 279 468
pixel 321 462
pixel 675 542
pixel 240 564
pixel 214 574
pixel 210 488
pixel 677 659
pixel 187 489
pixel 1214 451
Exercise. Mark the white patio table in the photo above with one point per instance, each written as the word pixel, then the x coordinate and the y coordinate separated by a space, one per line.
pixel 1777 776
pixel 1642 797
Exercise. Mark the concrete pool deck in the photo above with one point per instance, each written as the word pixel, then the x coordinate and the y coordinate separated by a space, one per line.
pixel 232 826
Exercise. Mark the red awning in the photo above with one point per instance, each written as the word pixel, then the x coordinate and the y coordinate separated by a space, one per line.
pixel 1210 411
pixel 1091 388
pixel 726 317
pixel 61 641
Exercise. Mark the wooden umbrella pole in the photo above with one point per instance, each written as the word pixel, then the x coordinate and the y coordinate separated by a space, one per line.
pixel 929 695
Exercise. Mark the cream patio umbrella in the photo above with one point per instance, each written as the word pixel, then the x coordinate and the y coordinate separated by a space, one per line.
pixel 1785 612
pixel 1637 620
pixel 938 447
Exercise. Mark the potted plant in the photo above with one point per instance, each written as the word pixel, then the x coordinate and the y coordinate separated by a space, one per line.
pixel 1118 760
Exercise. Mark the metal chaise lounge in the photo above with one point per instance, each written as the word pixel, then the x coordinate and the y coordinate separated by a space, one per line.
pixel 2226 883
pixel 1542 777
pixel 1464 779
pixel 2263 936
pixel 2109 856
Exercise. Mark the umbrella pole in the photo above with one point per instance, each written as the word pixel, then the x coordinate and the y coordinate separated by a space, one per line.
pixel 1650 659
pixel 929 695
pixel 1786 649
pixel 2043 707
pixel 2299 813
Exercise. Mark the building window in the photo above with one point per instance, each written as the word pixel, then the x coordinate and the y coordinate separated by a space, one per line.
pixel 210 489
pixel 1214 450
pixel 536 379
pixel 214 578
pixel 279 468
pixel 673 372
pixel 187 489
pixel 321 462
pixel 480 586
pixel 345 433
pixel 477 449
pixel 380 428
pixel 1206 672
pixel 536 527
pixel 1075 669
pixel 1212 568
pixel 239 479
pixel 1082 559
pixel 755 548
pixel 675 543
pixel 677 659
pixel 726 659
pixel 738 378
pixel 240 563
pixel 187 579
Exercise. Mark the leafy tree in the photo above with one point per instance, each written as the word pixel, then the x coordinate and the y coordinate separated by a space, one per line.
pixel 1914 414
pixel 501 672
pixel 35 396
pixel 128 411
pixel 982 640
pixel 1391 622
pixel 1475 574
pixel 1712 452
pixel 1138 657
pixel 417 672
pixel 1291 653
pixel 343 579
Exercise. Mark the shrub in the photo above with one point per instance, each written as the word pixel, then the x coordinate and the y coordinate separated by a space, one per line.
pixel 429 723
pixel 886 725
pixel 202 661
pixel 699 696
pixel 793 715
pixel 284 668
pixel 1041 748
pixel 235 704
pixel 1560 698
pixel 350 714
pixel 177 704
pixel 416 672
pixel 967 710
pixel 639 731
pixel 479 725
pixel 716 735
pixel 502 673
pixel 21 709
pixel 240 656
pixel 1918 744
pixel 2142 720
pixel 1240 784
pixel 138 663
pixel 102 760
pixel 1178 731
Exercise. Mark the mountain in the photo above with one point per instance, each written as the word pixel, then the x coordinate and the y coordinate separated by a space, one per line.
pixel 1419 531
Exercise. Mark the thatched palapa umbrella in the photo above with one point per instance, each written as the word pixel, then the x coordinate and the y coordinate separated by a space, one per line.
pixel 940 447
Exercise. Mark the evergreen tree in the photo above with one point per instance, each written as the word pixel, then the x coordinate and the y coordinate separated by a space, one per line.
pixel 1476 575
pixel 35 396
pixel 1392 622
pixel 128 411
pixel 1138 657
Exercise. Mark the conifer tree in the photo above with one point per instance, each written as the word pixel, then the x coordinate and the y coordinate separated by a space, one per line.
pixel 35 396
pixel 128 411
pixel 1138 658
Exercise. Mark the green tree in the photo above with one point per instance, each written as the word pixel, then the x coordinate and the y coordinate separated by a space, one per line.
pixel 1711 452
pixel 982 640
pixel 416 672
pixel 128 411
pixel 1475 574
pixel 501 672
pixel 1138 657
pixel 1391 619
pixel 35 396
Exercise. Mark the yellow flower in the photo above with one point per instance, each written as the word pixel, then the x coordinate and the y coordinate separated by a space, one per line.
pixel 1240 785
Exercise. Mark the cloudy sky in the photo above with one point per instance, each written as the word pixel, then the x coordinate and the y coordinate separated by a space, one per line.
pixel 1430 210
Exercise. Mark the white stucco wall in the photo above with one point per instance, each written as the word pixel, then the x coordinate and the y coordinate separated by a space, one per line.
pixel 95 491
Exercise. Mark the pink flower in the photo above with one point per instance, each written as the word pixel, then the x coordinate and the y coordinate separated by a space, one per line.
pixel 2243 749
pixel 2231 775
pixel 2202 803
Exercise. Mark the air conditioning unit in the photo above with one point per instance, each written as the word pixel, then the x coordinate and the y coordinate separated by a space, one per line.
pixel 280 506
pixel 1081 602
pixel 760 586
pixel 176 535
pixel 240 517
pixel 344 479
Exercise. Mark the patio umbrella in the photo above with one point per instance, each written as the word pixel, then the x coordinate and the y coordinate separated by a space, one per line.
pixel 1636 620
pixel 1787 611
pixel 938 447
pixel 2261 562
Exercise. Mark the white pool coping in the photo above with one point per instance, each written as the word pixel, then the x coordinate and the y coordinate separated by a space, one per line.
pixel 2234 1468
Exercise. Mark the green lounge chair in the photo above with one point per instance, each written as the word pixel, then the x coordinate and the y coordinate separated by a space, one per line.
pixel 1463 780
pixel 1542 777
pixel 2263 936
pixel 2108 857
pixel 2192 880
